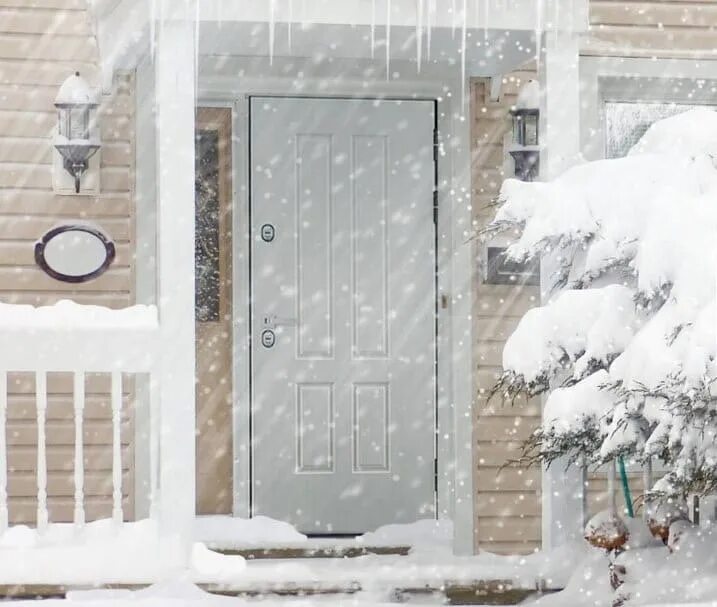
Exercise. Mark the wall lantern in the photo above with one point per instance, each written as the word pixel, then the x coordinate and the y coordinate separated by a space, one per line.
pixel 76 105
pixel 525 148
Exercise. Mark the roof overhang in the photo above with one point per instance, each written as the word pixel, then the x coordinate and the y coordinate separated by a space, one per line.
pixel 500 34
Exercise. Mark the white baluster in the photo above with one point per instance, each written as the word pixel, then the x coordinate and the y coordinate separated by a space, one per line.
pixel 79 406
pixel 41 403
pixel 116 447
pixel 154 395
pixel 3 452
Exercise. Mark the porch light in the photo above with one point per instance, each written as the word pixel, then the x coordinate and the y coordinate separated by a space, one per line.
pixel 76 105
pixel 525 148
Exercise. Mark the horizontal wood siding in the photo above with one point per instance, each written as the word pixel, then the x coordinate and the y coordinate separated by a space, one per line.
pixel 507 497
pixel 652 28
pixel 41 43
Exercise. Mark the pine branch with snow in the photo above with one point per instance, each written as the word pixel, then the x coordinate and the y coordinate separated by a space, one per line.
pixel 626 351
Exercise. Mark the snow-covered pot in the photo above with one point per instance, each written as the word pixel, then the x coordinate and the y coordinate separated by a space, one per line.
pixel 607 530
pixel 679 530
pixel 661 515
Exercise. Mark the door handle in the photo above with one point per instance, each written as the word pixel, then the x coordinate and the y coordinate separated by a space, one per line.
pixel 272 321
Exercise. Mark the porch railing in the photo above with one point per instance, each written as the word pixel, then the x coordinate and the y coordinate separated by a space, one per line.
pixel 117 352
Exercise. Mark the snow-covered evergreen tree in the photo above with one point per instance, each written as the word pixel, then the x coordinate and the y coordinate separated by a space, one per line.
pixel 625 348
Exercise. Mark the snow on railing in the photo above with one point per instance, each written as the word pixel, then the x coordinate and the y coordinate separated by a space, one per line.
pixel 77 339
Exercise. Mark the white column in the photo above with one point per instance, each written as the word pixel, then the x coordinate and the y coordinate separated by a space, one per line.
pixel 175 95
pixel 461 308
pixel 560 133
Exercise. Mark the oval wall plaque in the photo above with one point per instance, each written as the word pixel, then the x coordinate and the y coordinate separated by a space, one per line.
pixel 74 253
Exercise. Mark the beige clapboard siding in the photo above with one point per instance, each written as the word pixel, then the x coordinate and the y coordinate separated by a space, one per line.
pixel 36 98
pixel 41 43
pixel 41 21
pixel 44 203
pixel 520 531
pixel 22 510
pixel 52 47
pixel 652 28
pixel 42 73
pixel 507 496
pixel 65 5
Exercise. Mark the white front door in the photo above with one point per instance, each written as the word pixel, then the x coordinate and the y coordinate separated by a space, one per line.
pixel 343 312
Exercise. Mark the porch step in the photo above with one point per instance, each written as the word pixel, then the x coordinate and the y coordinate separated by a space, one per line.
pixel 315 552
pixel 491 592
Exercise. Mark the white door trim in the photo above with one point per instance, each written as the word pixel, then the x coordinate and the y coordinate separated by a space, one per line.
pixel 455 253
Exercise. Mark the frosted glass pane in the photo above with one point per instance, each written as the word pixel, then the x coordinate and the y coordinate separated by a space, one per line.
pixel 626 122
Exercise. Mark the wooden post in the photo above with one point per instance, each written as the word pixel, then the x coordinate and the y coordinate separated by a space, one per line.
pixel 175 95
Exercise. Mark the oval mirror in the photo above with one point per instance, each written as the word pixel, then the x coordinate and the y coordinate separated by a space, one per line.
pixel 74 253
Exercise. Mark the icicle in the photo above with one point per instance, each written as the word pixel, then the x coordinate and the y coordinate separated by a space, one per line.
pixel 388 39
pixel 430 23
pixel 272 25
pixel 556 23
pixel 464 48
pixel 373 28
pixel 419 33
pixel 453 18
pixel 152 27
pixel 291 22
pixel 538 32
pixel 486 19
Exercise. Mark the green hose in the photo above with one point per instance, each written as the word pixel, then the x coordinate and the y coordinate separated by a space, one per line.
pixel 625 488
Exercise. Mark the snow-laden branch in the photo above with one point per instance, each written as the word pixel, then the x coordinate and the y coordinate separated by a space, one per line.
pixel 629 348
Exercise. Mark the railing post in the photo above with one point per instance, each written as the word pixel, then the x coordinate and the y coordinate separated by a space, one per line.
pixel 41 405
pixel 175 119
pixel 3 452
pixel 117 447
pixel 79 407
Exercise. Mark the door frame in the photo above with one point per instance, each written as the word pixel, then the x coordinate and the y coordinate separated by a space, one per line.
pixel 456 272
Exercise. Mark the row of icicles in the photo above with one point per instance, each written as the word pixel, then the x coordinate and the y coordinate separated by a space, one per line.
pixel 426 12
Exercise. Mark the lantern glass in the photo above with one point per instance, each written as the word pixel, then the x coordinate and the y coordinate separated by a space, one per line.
pixel 517 129
pixel 530 129
pixel 78 118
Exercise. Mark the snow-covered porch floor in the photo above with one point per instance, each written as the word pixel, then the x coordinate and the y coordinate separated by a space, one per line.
pixel 395 564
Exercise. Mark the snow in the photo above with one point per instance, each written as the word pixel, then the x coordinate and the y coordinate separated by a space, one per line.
pixel 425 534
pixel 227 531
pixel 67 314
pixel 76 90
pixel 544 336
pixel 67 554
pixel 529 96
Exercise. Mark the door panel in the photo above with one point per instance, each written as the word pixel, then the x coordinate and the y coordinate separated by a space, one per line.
pixel 213 301
pixel 343 322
